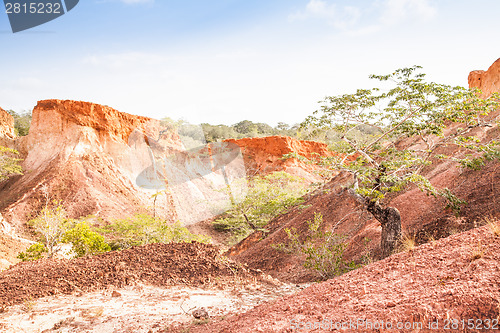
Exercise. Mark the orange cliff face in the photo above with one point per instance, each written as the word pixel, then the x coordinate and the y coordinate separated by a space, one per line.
pixel 488 81
pixel 84 155
pixel 59 116
pixel 265 155
pixel 64 128
pixel 6 124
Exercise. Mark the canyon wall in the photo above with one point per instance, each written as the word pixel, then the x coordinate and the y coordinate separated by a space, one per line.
pixel 78 153
pixel 265 155
pixel 6 124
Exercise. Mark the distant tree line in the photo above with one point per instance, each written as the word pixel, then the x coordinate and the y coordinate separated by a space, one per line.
pixel 22 122
pixel 247 129
pixel 243 129
pixel 194 134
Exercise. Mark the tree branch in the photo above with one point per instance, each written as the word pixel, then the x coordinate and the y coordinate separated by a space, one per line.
pixel 360 151
pixel 392 129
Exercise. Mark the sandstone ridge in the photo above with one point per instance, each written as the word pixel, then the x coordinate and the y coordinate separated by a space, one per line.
pixel 488 81
pixel 265 155
pixel 55 115
pixel 78 153
pixel 6 124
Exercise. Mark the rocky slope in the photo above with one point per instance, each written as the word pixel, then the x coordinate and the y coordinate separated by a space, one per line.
pixel 442 283
pixel 192 264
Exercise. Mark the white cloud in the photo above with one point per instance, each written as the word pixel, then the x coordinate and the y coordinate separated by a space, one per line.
pixel 341 18
pixel 367 19
pixel 396 11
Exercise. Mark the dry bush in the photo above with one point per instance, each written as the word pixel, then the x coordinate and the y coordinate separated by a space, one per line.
pixel 477 252
pixel 408 243
pixel 493 225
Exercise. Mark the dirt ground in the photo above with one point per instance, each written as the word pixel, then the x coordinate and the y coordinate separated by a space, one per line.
pixel 187 264
pixel 139 308
pixel 205 227
pixel 142 289
pixel 423 216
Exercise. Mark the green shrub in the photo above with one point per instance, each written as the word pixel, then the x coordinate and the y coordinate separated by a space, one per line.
pixel 53 227
pixel 324 251
pixel 34 252
pixel 9 164
pixel 85 241
pixel 267 197
pixel 144 229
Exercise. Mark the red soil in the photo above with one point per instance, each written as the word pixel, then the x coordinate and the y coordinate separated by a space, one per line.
pixel 456 278
pixel 192 264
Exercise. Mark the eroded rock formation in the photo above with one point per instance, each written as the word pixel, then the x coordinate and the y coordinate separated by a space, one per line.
pixel 78 153
pixel 265 155
pixel 6 124
pixel 99 161
pixel 488 81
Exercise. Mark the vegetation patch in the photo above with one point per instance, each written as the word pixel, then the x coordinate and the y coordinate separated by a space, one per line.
pixel 267 197
pixel 323 251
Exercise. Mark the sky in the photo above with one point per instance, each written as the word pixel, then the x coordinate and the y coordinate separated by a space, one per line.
pixel 223 61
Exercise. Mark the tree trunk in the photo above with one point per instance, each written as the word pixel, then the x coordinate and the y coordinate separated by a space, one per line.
pixel 391 226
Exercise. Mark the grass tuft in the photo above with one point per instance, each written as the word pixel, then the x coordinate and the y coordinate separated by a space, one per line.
pixel 493 225
pixel 408 243
pixel 477 252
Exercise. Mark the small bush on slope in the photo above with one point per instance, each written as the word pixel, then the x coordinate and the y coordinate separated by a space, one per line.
pixel 84 240
pixel 9 164
pixel 267 197
pixel 55 229
pixel 323 250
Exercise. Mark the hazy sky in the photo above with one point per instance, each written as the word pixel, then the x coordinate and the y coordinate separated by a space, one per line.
pixel 222 61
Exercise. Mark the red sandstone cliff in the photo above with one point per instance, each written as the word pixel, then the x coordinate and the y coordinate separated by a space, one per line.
pixel 265 155
pixel 80 153
pixel 488 81
pixel 6 124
